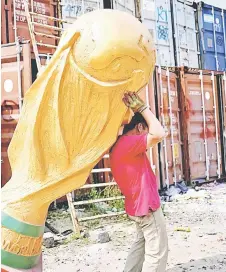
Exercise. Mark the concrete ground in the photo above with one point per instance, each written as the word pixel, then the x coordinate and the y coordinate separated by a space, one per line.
pixel 201 249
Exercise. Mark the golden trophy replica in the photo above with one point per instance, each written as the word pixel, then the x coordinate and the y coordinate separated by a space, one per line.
pixel 71 116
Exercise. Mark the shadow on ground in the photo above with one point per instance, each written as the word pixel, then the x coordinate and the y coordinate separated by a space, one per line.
pixel 211 264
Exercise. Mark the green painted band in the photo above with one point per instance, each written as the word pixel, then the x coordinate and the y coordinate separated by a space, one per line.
pixel 13 224
pixel 18 261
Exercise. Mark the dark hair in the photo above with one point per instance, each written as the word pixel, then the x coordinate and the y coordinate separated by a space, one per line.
pixel 137 119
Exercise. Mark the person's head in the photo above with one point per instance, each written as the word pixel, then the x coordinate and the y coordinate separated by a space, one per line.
pixel 137 125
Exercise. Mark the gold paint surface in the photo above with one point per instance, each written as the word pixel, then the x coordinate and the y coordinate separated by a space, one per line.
pixel 20 244
pixel 72 113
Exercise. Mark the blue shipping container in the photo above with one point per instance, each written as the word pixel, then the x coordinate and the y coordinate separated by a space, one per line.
pixel 211 25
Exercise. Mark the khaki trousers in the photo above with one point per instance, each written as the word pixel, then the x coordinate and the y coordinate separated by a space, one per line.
pixel 150 251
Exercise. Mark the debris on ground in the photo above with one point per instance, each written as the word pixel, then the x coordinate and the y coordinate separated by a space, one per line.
pixel 48 240
pixel 201 249
pixel 103 237
pixel 185 229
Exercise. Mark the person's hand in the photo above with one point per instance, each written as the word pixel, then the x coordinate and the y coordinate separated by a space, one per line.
pixel 133 101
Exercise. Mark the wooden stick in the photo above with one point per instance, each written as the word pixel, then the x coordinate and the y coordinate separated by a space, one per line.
pixel 101 216
pixel 73 214
pixel 46 45
pixel 100 170
pixel 35 48
pixel 98 185
pixel 49 17
pixel 50 227
pixel 83 202
pixel 47 35
pixel 48 26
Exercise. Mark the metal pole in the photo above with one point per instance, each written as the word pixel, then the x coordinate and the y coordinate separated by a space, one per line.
pixel 204 125
pixel 222 15
pixel 18 50
pixel 216 125
pixel 171 126
pixel 19 74
pixel 214 37
pixel 150 149
pixel 169 27
pixel 176 27
pixel 186 30
pixel 164 126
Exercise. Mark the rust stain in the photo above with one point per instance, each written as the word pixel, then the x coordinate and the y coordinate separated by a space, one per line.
pixel 189 110
pixel 209 134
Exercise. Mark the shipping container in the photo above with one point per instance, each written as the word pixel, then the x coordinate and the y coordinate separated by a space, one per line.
pixel 72 9
pixel 185 33
pixel 14 22
pixel 211 25
pixel 168 112
pixel 15 81
pixel 173 28
pixel 125 5
pixel 156 15
pixel 201 128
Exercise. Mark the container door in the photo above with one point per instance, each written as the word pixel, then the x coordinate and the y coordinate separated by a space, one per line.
pixel 156 15
pixel 212 37
pixel 168 110
pixel 10 71
pixel 185 34
pixel 9 113
pixel 125 5
pixel 202 126
pixel 72 9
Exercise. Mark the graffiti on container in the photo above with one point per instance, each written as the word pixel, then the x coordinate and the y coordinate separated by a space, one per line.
pixel 217 25
pixel 76 8
pixel 163 32
pixel 74 11
pixel 219 40
pixel 162 14
pixel 9 110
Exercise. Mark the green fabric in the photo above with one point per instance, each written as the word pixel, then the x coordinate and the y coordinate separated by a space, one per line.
pixel 18 261
pixel 21 227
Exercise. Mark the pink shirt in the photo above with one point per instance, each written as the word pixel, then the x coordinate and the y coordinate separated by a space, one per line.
pixel 132 172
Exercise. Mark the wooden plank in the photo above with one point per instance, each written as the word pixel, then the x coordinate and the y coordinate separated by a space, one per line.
pixel 84 202
pixel 96 185
pixel 48 26
pixel 49 17
pixel 35 48
pixel 73 214
pixel 46 35
pixel 99 216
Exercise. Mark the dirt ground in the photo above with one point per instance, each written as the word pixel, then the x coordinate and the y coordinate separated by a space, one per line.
pixel 201 249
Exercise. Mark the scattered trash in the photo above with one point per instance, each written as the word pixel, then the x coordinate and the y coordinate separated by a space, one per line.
pixel 85 234
pixel 103 237
pixel 59 240
pixel 182 186
pixel 48 240
pixel 197 182
pixel 51 228
pixel 66 232
pixel 211 233
pixel 168 195
pixel 185 229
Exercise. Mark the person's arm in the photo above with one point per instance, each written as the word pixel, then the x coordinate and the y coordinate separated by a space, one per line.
pixel 156 132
